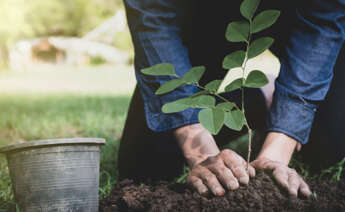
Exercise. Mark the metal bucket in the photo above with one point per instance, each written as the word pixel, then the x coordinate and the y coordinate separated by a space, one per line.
pixel 60 175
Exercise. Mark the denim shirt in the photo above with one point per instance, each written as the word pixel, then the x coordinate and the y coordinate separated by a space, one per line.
pixel 306 63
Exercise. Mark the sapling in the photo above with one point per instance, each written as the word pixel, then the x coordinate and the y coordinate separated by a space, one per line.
pixel 214 115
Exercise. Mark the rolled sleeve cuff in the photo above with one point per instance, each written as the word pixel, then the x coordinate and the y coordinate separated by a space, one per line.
pixel 291 114
pixel 159 121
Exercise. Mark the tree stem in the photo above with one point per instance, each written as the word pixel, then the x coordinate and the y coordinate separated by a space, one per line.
pixel 244 65
pixel 250 136
pixel 242 109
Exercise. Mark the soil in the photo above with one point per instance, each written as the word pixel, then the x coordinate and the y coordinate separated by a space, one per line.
pixel 262 194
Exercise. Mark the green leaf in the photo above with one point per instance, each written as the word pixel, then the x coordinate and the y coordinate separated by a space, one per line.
pixel 248 8
pixel 237 31
pixel 213 86
pixel 161 69
pixel 194 74
pixel 169 86
pixel 234 120
pixel 234 59
pixel 176 106
pixel 256 79
pixel 203 92
pixel 212 119
pixel 205 101
pixel 234 85
pixel 226 106
pixel 264 20
pixel 259 45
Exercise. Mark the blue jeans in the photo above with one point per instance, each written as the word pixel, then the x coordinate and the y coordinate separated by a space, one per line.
pixel 327 140
pixel 309 37
pixel 147 154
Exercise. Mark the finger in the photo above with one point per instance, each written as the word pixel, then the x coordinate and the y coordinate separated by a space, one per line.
pixel 237 165
pixel 294 183
pixel 304 188
pixel 281 176
pixel 251 171
pixel 211 181
pixel 197 184
pixel 241 174
pixel 225 176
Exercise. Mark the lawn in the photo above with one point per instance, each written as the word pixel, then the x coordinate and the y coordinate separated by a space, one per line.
pixel 29 117
pixel 64 103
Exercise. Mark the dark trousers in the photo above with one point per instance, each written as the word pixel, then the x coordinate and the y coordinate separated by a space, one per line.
pixel 145 154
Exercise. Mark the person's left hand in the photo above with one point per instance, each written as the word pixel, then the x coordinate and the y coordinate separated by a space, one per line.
pixel 288 178
pixel 275 156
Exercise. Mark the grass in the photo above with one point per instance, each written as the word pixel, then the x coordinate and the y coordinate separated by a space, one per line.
pixel 50 101
pixel 32 117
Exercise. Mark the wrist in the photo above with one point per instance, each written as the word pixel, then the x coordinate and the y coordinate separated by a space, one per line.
pixel 196 143
pixel 278 147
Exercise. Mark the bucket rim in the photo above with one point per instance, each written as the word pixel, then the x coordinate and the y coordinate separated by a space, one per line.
pixel 51 142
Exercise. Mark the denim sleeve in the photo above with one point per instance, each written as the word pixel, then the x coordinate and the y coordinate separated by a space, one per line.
pixel 155 27
pixel 307 67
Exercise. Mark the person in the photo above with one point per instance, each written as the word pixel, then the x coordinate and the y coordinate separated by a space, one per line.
pixel 308 101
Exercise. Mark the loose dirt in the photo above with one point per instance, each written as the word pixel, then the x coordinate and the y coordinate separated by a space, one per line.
pixel 262 194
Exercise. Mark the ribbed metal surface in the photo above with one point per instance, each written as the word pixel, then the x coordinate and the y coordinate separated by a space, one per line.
pixel 62 178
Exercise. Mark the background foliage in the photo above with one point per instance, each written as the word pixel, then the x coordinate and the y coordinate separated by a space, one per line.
pixel 21 19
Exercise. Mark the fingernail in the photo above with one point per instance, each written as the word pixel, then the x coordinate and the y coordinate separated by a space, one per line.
pixel 204 192
pixel 220 192
pixel 244 180
pixel 233 185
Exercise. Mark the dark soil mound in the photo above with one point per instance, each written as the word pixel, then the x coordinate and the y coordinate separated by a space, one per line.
pixel 262 194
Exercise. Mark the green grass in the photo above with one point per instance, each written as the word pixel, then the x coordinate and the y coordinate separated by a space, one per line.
pixel 31 117
pixel 61 101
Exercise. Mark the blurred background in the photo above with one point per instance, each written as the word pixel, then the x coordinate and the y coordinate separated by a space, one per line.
pixel 43 42
pixel 65 71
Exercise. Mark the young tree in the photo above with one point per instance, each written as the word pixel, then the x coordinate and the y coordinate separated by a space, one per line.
pixel 214 115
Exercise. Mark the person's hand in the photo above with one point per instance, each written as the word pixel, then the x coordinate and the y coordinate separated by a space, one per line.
pixel 211 169
pixel 288 178
pixel 275 156
pixel 217 173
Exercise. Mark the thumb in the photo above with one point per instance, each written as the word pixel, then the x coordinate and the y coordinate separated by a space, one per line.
pixel 259 163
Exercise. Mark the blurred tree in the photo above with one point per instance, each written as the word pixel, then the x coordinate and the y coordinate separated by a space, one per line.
pixel 26 19
pixel 65 17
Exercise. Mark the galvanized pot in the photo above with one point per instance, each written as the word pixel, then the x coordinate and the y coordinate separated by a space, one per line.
pixel 60 175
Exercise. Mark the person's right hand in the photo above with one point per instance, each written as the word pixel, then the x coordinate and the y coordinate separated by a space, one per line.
pixel 217 173
pixel 211 169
